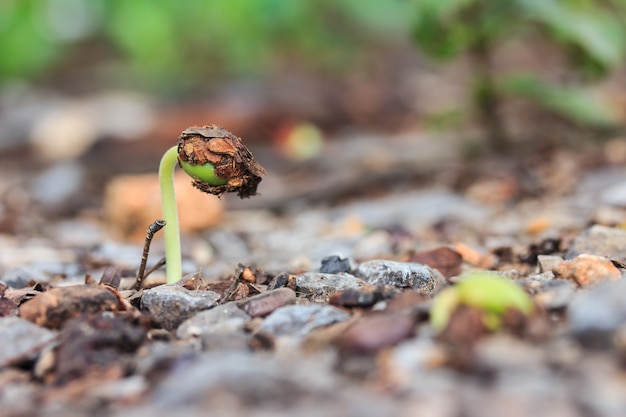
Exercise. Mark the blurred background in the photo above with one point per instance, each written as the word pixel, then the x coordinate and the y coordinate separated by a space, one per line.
pixel 336 99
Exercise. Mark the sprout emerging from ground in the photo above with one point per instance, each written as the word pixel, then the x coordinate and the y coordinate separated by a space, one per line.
pixel 218 163
pixel 492 295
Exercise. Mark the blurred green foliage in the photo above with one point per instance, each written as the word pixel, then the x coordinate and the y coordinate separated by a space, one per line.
pixel 162 41
pixel 589 34
pixel 180 46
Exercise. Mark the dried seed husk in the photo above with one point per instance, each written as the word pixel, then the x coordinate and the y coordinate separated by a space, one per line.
pixel 231 160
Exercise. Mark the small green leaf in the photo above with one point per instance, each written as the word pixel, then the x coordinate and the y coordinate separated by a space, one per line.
pixel 493 294
pixel 489 293
pixel 204 173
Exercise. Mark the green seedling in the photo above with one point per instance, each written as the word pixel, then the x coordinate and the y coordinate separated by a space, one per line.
pixel 218 163
pixel 491 294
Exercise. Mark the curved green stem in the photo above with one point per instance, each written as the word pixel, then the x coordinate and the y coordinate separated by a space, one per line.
pixel 173 257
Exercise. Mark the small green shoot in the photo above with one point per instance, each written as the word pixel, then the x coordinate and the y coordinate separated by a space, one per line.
pixel 218 162
pixel 484 291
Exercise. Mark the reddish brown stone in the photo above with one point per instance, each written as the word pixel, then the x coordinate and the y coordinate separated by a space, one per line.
pixel 446 260
pixel 376 331
pixel 54 307
pixel 351 298
pixel 263 304
pixel 587 270
pixel 475 258
pixel 407 301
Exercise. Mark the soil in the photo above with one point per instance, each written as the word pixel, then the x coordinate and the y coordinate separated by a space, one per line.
pixel 314 298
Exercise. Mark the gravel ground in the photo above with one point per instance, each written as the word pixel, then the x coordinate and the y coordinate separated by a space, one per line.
pixel 323 310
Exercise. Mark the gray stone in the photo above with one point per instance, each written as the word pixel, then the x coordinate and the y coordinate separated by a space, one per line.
pixel 226 318
pixel 170 305
pixel 321 285
pixel 600 240
pixel 547 262
pixel 400 274
pixel 21 340
pixel 594 314
pixel 335 264
pixel 298 320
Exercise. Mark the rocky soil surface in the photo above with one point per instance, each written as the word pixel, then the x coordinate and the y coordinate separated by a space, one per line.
pixel 310 309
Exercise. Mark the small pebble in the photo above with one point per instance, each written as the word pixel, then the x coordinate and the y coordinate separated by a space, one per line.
pixel 355 298
pixel 298 320
pixel 547 262
pixel 54 307
pixel 587 270
pixel 474 257
pixel 322 285
pixel 335 264
pixel 399 274
pixel 263 304
pixel 281 280
pixel 445 260
pixel 170 305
